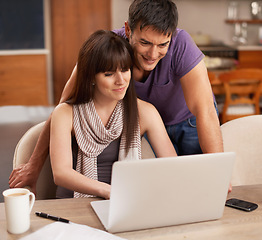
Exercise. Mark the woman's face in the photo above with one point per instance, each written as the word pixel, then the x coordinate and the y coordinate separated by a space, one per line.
pixel 111 86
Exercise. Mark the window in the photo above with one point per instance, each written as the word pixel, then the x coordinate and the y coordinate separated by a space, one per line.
pixel 21 24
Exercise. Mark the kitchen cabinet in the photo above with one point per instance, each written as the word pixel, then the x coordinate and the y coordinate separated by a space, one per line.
pixel 250 59
pixel 23 79
pixel 246 58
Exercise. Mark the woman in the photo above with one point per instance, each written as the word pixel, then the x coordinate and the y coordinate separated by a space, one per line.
pixel 104 116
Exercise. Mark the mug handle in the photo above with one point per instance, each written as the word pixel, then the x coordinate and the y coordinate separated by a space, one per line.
pixel 31 201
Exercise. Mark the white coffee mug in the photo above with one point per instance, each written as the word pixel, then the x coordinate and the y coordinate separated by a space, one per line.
pixel 18 205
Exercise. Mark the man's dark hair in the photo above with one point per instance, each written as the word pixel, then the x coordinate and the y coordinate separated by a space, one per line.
pixel 162 15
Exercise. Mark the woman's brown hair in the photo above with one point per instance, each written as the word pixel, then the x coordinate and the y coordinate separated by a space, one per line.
pixel 105 51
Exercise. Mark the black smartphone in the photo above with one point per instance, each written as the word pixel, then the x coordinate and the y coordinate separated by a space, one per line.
pixel 241 204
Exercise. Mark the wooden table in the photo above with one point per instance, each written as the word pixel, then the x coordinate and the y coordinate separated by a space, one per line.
pixel 234 224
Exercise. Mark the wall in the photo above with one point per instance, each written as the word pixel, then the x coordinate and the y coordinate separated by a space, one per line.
pixel 119 12
pixel 209 17
pixel 72 21
pixel 205 16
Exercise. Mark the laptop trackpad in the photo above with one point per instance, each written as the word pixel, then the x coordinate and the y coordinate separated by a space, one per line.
pixel 101 209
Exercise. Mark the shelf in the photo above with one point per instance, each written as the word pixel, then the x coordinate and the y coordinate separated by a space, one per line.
pixel 249 21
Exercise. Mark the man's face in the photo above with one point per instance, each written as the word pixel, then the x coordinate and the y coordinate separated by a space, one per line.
pixel 149 46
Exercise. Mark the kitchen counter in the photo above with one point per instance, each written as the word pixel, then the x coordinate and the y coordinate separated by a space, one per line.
pixel 249 47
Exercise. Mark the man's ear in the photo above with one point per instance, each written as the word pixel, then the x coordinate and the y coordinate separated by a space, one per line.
pixel 127 30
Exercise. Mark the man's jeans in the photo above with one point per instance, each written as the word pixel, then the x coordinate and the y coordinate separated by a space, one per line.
pixel 184 136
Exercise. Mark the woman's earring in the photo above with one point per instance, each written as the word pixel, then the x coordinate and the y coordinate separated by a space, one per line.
pixel 93 84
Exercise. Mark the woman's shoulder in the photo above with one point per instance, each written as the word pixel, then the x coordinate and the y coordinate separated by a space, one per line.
pixel 62 116
pixel 141 104
pixel 62 109
pixel 146 109
pixel 148 116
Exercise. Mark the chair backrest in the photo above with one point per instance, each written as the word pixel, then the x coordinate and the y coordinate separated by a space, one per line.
pixel 212 77
pixel 242 89
pixel 45 187
pixel 244 137
pixel 146 150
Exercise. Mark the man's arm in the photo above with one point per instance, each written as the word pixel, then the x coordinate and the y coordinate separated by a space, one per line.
pixel 27 174
pixel 199 99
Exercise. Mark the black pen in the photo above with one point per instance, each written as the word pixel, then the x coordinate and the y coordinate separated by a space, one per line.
pixel 48 216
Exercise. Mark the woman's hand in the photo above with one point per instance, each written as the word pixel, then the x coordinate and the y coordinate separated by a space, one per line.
pixel 105 190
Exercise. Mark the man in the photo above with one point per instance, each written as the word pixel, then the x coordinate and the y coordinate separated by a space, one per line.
pixel 169 72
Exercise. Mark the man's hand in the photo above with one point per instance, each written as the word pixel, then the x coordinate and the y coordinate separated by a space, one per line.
pixel 24 175
pixel 27 174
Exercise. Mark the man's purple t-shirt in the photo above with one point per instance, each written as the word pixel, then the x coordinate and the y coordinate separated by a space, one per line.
pixel 162 88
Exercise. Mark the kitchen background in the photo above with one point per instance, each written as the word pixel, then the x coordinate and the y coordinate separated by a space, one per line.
pixel 201 16
pixel 67 23
pixel 31 80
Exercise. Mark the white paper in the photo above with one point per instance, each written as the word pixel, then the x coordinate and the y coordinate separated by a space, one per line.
pixel 66 231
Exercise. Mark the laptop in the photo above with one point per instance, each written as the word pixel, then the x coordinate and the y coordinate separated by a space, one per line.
pixel 161 192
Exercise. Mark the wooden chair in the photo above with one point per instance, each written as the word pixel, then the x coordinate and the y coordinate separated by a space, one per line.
pixel 242 93
pixel 212 77
pixel 220 99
